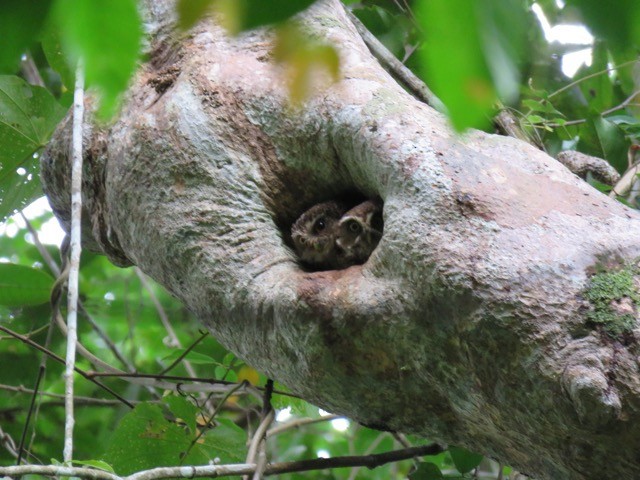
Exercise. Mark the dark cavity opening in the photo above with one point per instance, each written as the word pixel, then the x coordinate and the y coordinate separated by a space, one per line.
pixel 337 233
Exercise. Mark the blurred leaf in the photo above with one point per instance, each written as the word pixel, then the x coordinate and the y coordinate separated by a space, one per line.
pixel 611 143
pixel 598 87
pixel 306 62
pixel 426 471
pixel 108 38
pixel 190 11
pixel 240 15
pixel 543 106
pixel 20 25
pixel 535 119
pixel 617 22
pixel 53 51
pixel 249 374
pixel 464 460
pixel 20 285
pixel 471 54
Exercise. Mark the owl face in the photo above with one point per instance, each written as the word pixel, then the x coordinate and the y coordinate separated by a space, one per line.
pixel 359 231
pixel 330 236
pixel 314 234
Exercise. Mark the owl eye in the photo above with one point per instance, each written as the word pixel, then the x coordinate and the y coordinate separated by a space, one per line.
pixel 354 226
pixel 319 226
pixel 302 240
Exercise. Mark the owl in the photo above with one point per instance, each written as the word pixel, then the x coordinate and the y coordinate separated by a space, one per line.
pixel 359 231
pixel 314 235
pixel 331 236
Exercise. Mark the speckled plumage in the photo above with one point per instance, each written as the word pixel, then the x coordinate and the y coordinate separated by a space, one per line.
pixel 331 236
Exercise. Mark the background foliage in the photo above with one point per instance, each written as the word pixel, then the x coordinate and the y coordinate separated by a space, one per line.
pixel 478 57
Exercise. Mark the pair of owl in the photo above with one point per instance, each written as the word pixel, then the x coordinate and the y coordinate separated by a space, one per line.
pixel 330 235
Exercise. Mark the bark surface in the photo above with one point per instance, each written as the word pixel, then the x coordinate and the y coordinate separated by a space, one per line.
pixel 470 323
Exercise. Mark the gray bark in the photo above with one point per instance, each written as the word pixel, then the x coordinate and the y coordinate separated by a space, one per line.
pixel 468 324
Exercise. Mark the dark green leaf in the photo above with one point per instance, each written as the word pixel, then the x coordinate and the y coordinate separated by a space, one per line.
pixel 617 22
pixel 21 286
pixel 20 24
pixel 261 12
pixel 612 143
pixel 145 439
pixel 19 189
pixel 108 38
pixel 471 54
pixel 226 441
pixel 28 116
pixel 464 460
pixel 53 51
pixel 183 409
pixel 426 471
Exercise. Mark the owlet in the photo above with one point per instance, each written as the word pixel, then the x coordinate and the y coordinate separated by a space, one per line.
pixel 330 236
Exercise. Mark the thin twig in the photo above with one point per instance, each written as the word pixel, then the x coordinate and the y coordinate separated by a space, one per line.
pixel 592 75
pixel 55 299
pixel 203 335
pixel 55 269
pixel 257 449
pixel 372 447
pixel 61 360
pixel 394 66
pixel 212 471
pixel 74 262
pixel 80 400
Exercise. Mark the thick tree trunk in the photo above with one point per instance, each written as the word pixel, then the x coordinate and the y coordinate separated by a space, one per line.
pixel 475 321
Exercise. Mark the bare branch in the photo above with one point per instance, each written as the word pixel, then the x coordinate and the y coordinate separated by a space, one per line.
pixel 213 471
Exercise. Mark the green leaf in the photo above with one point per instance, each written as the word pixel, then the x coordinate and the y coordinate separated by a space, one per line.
pixel 426 471
pixel 20 24
pixel 612 143
pixel 22 286
pixel 99 464
pixel 464 460
pixel 471 54
pixel 18 190
pixel 543 106
pixel 535 119
pixel 108 37
pixel 145 439
pixel 226 441
pixel 183 409
pixel 28 116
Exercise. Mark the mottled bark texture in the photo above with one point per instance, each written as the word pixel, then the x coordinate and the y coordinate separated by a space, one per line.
pixel 471 323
